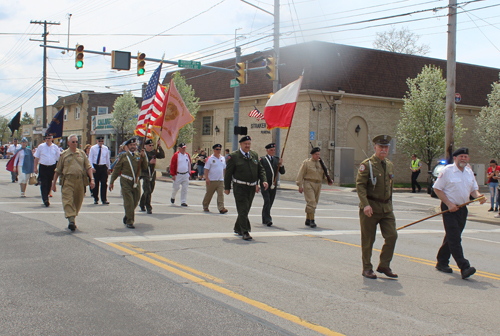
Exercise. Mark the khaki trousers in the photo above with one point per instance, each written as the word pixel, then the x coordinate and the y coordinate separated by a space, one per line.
pixel 72 193
pixel 212 187
pixel 311 194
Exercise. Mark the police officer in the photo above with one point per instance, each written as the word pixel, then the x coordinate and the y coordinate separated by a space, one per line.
pixel 127 166
pixel 309 180
pixel 270 162
pixel 454 185
pixel 244 169
pixel 148 176
pixel 374 185
pixel 415 167
pixel 73 167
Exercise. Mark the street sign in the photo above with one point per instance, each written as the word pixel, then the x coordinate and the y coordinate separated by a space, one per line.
pixel 458 98
pixel 189 64
pixel 312 135
pixel 234 83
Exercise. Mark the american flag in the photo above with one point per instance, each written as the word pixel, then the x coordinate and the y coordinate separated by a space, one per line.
pixel 256 114
pixel 151 104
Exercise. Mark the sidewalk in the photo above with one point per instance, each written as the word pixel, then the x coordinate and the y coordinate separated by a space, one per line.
pixel 479 213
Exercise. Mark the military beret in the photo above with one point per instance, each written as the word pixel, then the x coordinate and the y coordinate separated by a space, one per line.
pixel 315 150
pixel 245 138
pixel 460 151
pixel 182 145
pixel 382 140
pixel 217 146
pixel 148 142
pixel 100 137
pixel 130 141
pixel 271 145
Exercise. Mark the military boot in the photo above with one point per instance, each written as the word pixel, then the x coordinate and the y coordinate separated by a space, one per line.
pixel 308 222
pixel 312 224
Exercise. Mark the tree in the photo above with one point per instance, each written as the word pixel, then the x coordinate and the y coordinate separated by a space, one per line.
pixel 421 128
pixel 400 41
pixel 487 131
pixel 4 130
pixel 125 111
pixel 27 119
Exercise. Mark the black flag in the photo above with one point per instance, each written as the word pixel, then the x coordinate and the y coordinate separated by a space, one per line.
pixel 15 123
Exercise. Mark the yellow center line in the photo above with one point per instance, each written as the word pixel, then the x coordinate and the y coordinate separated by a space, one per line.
pixel 222 290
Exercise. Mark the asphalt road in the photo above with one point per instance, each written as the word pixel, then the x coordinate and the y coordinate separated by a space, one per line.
pixel 183 272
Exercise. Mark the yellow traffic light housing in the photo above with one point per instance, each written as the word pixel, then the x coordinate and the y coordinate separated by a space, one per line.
pixel 141 63
pixel 79 56
pixel 239 70
pixel 271 68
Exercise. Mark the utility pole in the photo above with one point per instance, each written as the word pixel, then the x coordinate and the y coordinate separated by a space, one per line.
pixel 45 33
pixel 451 80
pixel 276 136
pixel 236 109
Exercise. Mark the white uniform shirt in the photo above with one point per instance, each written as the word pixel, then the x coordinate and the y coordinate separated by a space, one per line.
pixel 215 168
pixel 47 155
pixel 455 184
pixel 13 149
pixel 183 164
pixel 103 159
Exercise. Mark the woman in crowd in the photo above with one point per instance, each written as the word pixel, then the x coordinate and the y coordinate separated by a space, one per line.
pixel 493 184
pixel 201 164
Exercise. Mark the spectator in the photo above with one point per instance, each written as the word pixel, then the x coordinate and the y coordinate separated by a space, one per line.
pixel 202 158
pixel 194 167
pixel 493 184
pixel 227 154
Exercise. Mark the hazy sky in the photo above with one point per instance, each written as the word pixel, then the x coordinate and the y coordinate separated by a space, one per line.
pixel 204 30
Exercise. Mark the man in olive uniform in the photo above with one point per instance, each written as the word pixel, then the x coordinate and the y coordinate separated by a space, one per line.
pixel 128 166
pixel 374 186
pixel 148 176
pixel 270 162
pixel 244 169
pixel 73 167
pixel 309 179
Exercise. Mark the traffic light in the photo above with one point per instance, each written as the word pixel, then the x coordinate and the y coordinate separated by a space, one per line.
pixel 271 68
pixel 79 56
pixel 141 63
pixel 239 69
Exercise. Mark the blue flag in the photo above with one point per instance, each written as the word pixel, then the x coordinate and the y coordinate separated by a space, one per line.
pixel 56 125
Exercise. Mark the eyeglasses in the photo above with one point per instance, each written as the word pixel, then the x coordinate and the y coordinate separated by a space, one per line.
pixel 73 141
pixel 100 141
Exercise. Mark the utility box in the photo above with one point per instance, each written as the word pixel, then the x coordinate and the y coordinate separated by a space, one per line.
pixel 343 166
pixel 479 171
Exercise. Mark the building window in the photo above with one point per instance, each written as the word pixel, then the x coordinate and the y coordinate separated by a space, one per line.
pixel 206 128
pixel 66 113
pixel 77 113
pixel 229 130
pixel 38 120
pixel 102 110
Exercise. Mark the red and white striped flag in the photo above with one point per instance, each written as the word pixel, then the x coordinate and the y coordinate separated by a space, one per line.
pixel 256 114
pixel 152 104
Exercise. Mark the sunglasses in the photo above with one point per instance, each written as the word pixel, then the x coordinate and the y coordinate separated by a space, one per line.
pixel 73 141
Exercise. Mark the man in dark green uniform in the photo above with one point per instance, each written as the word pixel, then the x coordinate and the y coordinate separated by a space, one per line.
pixel 128 166
pixel 374 186
pixel 243 169
pixel 148 176
pixel 270 162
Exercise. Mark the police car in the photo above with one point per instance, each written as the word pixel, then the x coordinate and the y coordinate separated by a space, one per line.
pixel 434 175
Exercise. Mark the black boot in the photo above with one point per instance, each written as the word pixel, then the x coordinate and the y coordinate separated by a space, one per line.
pixel 308 222
pixel 312 224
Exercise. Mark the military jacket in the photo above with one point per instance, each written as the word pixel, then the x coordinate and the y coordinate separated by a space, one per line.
pixel 272 170
pixel 311 171
pixel 70 163
pixel 378 195
pixel 158 153
pixel 123 167
pixel 243 169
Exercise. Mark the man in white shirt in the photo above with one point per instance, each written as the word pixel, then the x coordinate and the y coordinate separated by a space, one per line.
pixel 215 168
pixel 47 154
pixel 11 151
pixel 99 157
pixel 455 184
pixel 180 170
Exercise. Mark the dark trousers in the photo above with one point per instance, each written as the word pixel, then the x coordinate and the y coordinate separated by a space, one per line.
pixel 148 186
pixel 268 195
pixel 414 183
pixel 243 196
pixel 45 176
pixel 454 224
pixel 101 178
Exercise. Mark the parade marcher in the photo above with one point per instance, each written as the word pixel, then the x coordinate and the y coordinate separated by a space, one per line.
pixel 180 170
pixel 374 185
pixel 76 171
pixel 454 186
pixel 492 173
pixel 270 163
pixel 47 154
pixel 309 179
pixel 24 165
pixel 244 170
pixel 415 167
pixel 215 167
pixel 99 157
pixel 148 176
pixel 126 168
pixel 11 151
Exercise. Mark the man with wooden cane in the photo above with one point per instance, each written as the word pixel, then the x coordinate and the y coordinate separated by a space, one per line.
pixel 455 184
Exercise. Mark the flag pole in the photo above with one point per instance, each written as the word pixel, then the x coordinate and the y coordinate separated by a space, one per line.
pixel 140 160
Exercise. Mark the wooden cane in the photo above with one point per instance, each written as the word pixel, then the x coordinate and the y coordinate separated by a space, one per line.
pixel 439 213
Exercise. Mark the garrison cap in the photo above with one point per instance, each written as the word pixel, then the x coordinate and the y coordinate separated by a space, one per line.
pixel 315 150
pixel 217 146
pixel 382 140
pixel 271 145
pixel 100 137
pixel 245 138
pixel 460 151
pixel 148 142
pixel 130 141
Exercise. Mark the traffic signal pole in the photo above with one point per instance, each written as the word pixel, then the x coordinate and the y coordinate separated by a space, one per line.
pixel 236 107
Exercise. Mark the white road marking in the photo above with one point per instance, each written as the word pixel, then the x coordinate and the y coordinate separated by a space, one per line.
pixel 485 240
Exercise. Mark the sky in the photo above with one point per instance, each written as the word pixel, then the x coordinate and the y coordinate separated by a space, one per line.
pixel 207 31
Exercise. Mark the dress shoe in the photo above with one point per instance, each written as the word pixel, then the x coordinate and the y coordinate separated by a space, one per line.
pixel 72 226
pixel 491 209
pixel 413 191
pixel 312 224
pixel 269 224
pixel 142 208
pixel 223 211
pixel 46 203
pixel 96 202
pixel 105 202
pixel 184 204
pixel 496 209
pixel 125 220
pixel 238 233
pixel 149 212
pixel 468 272
pixel 172 200
pixel 308 222
pixel 369 274
pixel 130 226
pixel 387 271
pixel 246 236
pixel 444 268
pixel 206 210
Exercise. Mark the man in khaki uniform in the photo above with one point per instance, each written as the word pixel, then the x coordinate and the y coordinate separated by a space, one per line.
pixel 148 176
pixel 127 166
pixel 309 180
pixel 73 166
pixel 215 168
pixel 374 186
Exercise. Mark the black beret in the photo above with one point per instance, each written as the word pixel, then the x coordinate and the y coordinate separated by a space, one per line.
pixel 182 145
pixel 148 142
pixel 216 146
pixel 460 151
pixel 315 150
pixel 131 140
pixel 245 138
pixel 271 145
pixel 100 137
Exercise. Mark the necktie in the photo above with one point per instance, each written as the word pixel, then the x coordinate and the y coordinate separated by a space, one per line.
pixel 247 155
pixel 98 156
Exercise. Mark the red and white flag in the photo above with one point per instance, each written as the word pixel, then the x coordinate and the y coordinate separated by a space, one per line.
pixel 281 106
pixel 256 114
pixel 152 104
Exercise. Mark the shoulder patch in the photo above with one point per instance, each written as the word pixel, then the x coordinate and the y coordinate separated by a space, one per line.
pixel 362 167
pixel 440 174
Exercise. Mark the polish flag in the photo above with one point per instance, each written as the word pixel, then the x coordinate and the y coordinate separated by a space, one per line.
pixel 281 106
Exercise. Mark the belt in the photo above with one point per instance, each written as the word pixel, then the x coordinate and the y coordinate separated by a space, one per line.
pixel 127 177
pixel 378 199
pixel 311 180
pixel 243 182
pixel 99 164
pixel 72 177
pixel 182 173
